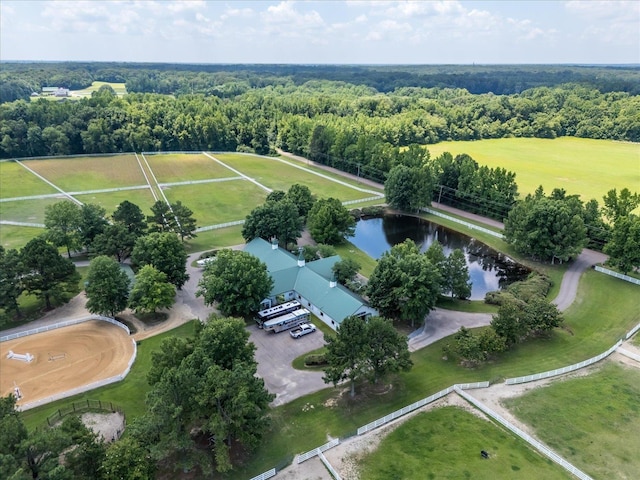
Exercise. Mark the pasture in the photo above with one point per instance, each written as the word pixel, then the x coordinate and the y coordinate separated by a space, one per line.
pixel 77 174
pixel 593 421
pixel 119 88
pixel 17 181
pixel 589 168
pixel 110 200
pixel 280 174
pixel 182 167
pixel 29 211
pixel 446 443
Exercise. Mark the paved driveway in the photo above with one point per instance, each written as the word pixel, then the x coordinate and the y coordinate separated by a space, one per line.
pixel 274 354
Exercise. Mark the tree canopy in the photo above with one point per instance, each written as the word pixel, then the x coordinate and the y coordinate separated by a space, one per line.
pixel 365 349
pixel 62 221
pixel 330 222
pixel 404 284
pixel 165 252
pixel 280 219
pixel 237 281
pixel 151 291
pixel 408 188
pixel 107 287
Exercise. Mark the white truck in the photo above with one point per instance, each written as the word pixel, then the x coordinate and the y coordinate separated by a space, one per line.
pixel 302 330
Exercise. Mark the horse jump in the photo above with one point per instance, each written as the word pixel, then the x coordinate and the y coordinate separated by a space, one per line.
pixel 58 356
pixel 23 357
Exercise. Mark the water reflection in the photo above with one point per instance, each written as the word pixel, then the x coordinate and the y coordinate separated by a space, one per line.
pixel 489 270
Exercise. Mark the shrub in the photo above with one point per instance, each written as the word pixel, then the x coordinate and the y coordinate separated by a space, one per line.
pixel 374 211
pixel 315 360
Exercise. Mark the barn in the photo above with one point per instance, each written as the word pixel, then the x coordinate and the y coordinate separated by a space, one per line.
pixel 311 283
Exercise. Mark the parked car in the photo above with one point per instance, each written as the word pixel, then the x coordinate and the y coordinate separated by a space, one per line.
pixel 302 330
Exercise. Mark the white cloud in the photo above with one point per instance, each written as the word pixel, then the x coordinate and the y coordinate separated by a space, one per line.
pixel 237 12
pixel 614 22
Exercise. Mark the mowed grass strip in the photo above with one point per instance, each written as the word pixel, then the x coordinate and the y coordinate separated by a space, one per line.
pixel 119 88
pixel 592 421
pixel 110 200
pixel 17 181
pixel 587 167
pixel 446 443
pixel 183 167
pixel 29 211
pixel 214 203
pixel 90 173
pixel 277 175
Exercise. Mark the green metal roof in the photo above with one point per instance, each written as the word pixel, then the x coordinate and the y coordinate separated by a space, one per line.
pixel 312 281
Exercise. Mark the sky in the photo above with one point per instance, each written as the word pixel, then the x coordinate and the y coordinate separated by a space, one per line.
pixel 323 32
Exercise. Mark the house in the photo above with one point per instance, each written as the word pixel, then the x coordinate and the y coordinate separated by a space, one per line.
pixel 312 284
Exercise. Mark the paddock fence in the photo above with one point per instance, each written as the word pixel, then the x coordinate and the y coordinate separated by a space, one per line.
pixel 322 448
pixel 66 323
pixel 525 436
pixel 65 157
pixel 219 225
pixel 626 278
pixel 632 332
pixel 83 388
pixel 80 407
pixel 22 224
pixel 362 200
pixel 472 226
pixel 563 370
pixel 629 354
pixel 265 475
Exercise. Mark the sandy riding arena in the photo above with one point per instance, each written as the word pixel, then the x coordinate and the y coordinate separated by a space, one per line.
pixel 64 359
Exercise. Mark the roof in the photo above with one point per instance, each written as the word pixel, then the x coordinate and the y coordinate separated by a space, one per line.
pixel 312 281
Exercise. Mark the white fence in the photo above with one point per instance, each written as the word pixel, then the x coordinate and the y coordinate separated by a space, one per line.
pixel 312 453
pixel 66 323
pixel 632 332
pixel 22 224
pixel 332 470
pixel 414 406
pixel 526 437
pixel 362 200
pixel 629 354
pixel 83 388
pixel 219 225
pixel 472 226
pixel 563 370
pixel 626 278
pixel 265 475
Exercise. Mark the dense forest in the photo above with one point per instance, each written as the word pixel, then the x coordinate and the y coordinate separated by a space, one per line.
pixel 353 125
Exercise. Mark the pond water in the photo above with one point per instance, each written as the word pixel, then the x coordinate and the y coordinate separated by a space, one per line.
pixel 489 270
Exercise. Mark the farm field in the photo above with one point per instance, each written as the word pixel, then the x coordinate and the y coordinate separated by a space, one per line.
pixel 90 173
pixel 17 181
pixel 110 200
pixel 182 167
pixel 446 443
pixel 119 88
pixel 219 202
pixel 592 421
pixel 29 211
pixel 589 168
pixel 279 175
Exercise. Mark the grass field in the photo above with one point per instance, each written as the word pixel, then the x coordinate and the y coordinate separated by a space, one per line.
pixel 17 237
pixel 592 421
pixel 278 175
pixel 30 211
pixel 90 173
pixel 220 202
pixel 17 181
pixel 589 168
pixel 446 443
pixel 183 167
pixel 110 200
pixel 119 88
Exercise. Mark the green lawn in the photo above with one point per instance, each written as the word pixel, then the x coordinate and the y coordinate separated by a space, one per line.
pixel 446 443
pixel 119 88
pixel 349 250
pixel 280 175
pixel 76 174
pixel 110 200
pixel 30 211
pixel 181 167
pixel 214 203
pixel 591 421
pixel 17 237
pixel 128 394
pixel 589 168
pixel 17 181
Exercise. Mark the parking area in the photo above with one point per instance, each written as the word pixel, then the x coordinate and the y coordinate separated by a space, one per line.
pixel 274 354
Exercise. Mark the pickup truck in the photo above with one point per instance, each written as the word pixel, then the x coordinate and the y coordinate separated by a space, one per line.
pixel 302 330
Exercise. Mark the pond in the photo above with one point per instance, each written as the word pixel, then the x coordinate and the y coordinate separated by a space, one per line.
pixel 489 269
